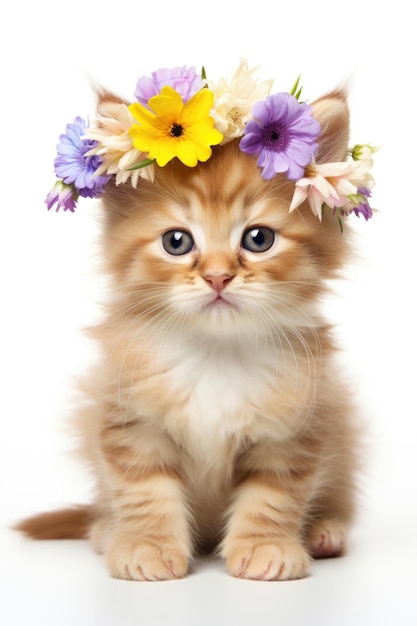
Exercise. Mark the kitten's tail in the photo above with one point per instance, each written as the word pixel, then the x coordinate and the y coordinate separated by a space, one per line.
pixel 71 523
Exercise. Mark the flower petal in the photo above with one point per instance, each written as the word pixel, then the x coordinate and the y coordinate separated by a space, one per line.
pixel 187 153
pixel 167 104
pixel 199 106
pixel 298 198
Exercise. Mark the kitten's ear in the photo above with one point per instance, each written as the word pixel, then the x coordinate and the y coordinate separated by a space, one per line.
pixel 106 101
pixel 332 113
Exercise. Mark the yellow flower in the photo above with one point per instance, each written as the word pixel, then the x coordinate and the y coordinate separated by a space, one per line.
pixel 170 128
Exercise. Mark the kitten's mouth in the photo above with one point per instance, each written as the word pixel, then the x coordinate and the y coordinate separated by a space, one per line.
pixel 220 302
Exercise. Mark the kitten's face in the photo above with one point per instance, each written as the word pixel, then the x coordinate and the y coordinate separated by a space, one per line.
pixel 214 248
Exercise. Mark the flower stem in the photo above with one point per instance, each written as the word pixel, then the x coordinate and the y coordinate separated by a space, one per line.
pixel 143 163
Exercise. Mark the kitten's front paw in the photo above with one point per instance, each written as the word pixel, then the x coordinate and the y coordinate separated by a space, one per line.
pixel 327 538
pixel 280 560
pixel 128 559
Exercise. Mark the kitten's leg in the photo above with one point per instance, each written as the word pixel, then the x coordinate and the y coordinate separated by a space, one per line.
pixel 264 534
pixel 148 535
pixel 331 513
pixel 150 538
pixel 333 508
pixel 327 537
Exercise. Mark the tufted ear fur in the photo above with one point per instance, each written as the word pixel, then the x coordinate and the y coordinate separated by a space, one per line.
pixel 332 113
pixel 107 101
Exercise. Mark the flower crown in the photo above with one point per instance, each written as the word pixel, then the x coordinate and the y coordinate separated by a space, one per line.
pixel 179 113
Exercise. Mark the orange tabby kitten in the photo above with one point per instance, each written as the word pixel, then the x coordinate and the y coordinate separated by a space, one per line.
pixel 217 416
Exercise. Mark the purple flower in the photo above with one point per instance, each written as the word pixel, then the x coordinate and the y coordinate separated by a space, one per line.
pixel 73 165
pixel 64 196
pixel 283 133
pixel 359 204
pixel 185 81
pixel 363 207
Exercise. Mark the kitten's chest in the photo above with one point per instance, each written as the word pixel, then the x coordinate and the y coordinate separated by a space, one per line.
pixel 217 393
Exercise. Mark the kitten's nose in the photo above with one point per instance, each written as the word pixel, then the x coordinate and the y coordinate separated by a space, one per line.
pixel 218 283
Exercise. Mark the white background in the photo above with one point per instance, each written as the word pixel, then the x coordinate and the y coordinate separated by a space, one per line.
pixel 49 52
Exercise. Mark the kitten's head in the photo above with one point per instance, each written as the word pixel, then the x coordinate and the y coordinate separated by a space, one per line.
pixel 214 248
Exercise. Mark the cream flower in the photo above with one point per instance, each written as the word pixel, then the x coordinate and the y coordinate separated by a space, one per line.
pixel 234 99
pixel 331 184
pixel 115 144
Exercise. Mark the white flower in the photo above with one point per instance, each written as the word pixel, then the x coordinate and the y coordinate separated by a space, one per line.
pixel 115 144
pixel 234 99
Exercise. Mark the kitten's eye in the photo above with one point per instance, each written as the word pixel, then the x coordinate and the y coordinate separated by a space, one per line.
pixel 258 239
pixel 177 242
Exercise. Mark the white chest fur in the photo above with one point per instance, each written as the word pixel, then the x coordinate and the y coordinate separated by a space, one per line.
pixel 219 388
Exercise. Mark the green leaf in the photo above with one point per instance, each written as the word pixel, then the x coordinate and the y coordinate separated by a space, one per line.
pixel 203 73
pixel 295 89
pixel 138 166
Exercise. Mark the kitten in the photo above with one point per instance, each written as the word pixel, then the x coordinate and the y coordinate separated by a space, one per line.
pixel 217 417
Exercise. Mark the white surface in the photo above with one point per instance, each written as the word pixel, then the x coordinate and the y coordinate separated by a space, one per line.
pixel 46 583
pixel 48 293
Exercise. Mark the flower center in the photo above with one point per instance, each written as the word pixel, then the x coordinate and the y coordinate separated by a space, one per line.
pixel 310 171
pixel 275 138
pixel 176 130
pixel 234 114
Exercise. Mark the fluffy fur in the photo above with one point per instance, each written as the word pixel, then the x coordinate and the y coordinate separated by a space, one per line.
pixel 217 417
